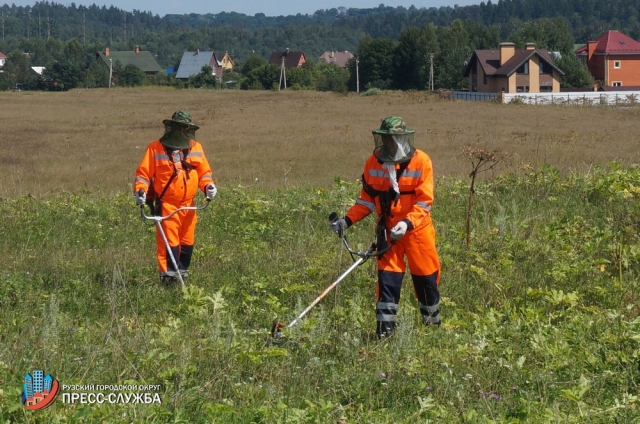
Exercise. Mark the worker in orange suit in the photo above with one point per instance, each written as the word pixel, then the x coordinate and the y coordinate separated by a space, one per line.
pixel 398 185
pixel 170 173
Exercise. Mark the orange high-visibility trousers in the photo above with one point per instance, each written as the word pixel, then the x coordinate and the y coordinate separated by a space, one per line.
pixel 180 232
pixel 420 249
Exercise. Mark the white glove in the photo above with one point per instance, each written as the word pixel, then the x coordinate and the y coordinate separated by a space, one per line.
pixel 339 226
pixel 399 230
pixel 141 197
pixel 211 191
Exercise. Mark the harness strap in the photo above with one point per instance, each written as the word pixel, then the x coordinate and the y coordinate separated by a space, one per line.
pixel 386 197
pixel 158 200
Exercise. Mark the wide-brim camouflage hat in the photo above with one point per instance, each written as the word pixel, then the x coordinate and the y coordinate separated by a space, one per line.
pixel 393 125
pixel 181 117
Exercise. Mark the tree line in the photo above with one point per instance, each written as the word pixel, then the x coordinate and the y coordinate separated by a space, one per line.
pixel 394 46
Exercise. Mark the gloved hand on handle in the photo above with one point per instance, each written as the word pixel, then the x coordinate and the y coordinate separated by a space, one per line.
pixel 339 226
pixel 210 191
pixel 141 197
pixel 399 230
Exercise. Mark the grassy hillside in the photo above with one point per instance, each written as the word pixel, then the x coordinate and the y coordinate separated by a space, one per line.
pixel 540 314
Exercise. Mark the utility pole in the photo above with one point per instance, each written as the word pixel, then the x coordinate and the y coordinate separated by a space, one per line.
pixel 431 82
pixel 3 25
pixel 84 28
pixel 357 76
pixel 110 71
pixel 28 17
pixel 283 73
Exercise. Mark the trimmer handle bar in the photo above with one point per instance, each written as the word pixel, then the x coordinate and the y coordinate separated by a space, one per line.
pixel 184 208
pixel 371 252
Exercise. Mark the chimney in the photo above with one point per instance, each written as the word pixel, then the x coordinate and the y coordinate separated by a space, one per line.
pixel 530 46
pixel 137 49
pixel 333 54
pixel 591 49
pixel 106 51
pixel 507 50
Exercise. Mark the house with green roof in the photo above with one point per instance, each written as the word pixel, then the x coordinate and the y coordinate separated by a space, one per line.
pixel 142 59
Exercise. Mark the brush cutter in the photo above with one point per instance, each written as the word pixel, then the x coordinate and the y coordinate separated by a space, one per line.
pixel 158 220
pixel 277 326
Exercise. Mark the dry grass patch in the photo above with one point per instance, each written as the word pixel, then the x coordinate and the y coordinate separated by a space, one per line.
pixel 95 138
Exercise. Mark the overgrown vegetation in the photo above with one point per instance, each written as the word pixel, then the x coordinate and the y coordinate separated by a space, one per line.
pixel 540 314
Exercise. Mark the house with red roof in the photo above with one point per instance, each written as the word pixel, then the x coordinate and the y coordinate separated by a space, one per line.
pixel 339 58
pixel 509 70
pixel 613 59
pixel 289 58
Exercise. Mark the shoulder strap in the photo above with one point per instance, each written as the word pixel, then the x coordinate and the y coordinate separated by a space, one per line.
pixel 186 165
pixel 164 190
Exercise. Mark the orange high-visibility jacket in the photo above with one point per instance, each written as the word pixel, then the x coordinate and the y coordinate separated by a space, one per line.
pixel 416 181
pixel 156 168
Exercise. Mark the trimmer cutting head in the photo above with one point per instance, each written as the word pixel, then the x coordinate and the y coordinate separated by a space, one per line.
pixel 276 330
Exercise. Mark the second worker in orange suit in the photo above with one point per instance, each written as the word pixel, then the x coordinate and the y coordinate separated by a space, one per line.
pixel 171 171
pixel 398 185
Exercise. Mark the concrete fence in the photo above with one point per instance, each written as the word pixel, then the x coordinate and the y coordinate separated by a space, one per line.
pixel 586 98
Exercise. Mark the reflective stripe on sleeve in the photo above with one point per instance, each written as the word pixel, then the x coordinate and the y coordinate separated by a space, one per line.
pixel 206 176
pixel 411 174
pixel 424 205
pixel 142 180
pixel 377 173
pixel 371 206
pixel 161 156
pixel 195 154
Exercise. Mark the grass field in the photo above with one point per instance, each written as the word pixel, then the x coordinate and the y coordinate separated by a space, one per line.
pixel 95 138
pixel 540 314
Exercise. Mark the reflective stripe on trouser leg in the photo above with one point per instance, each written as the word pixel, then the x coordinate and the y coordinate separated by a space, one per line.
pixel 387 301
pixel 426 288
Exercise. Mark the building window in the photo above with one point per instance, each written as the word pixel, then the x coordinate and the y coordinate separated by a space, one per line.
pixel 617 64
pixel 617 84
pixel 545 68
pixel 545 88
pixel 524 69
pixel 522 89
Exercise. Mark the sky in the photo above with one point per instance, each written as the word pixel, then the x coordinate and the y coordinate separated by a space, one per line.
pixel 248 7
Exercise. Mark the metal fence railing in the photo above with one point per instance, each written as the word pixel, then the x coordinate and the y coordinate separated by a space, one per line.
pixel 587 98
pixel 471 96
